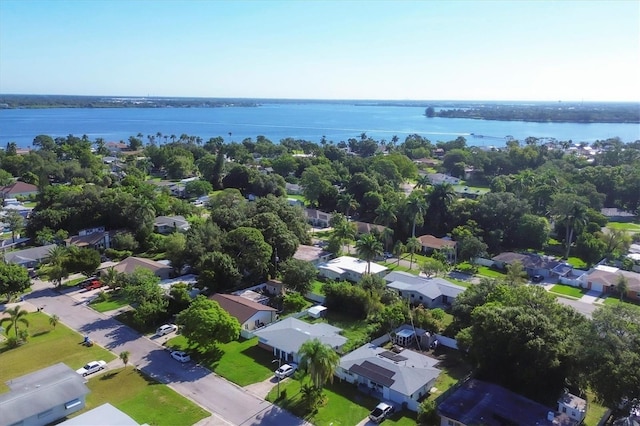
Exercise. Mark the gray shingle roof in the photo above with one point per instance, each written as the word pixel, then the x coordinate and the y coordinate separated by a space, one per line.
pixel 406 376
pixel 30 254
pixel 290 333
pixel 40 391
pixel 429 287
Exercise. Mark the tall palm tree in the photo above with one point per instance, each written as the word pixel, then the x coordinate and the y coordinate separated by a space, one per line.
pixel 571 210
pixel 423 182
pixel 386 214
pixel 57 255
pixel 398 250
pixel 368 247
pixel 415 208
pixel 345 232
pixel 413 245
pixel 386 236
pixel 110 277
pixel 16 315
pixel 319 360
pixel 439 198
pixel 346 203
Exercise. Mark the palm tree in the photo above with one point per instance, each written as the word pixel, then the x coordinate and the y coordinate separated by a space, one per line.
pixel 415 208
pixel 110 277
pixel 345 232
pixel 57 255
pixel 422 182
pixel 398 250
pixel 346 203
pixel 319 360
pixel 16 315
pixel 439 199
pixel 15 222
pixel 386 236
pixel 368 247
pixel 413 245
pixel 53 320
pixel 572 210
pixel 124 356
pixel 622 285
pixel 386 214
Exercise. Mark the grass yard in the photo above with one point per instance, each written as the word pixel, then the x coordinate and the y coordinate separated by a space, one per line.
pixel 316 287
pixel 485 271
pixel 393 266
pixel 624 226
pixel 459 282
pixel 453 369
pixel 298 197
pixel 615 300
pixel 595 411
pixel 577 262
pixel 109 305
pixel 241 362
pixel 343 405
pixel 142 398
pixel 45 347
pixel 567 290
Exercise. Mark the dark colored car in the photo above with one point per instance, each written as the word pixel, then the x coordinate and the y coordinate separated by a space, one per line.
pixel 537 278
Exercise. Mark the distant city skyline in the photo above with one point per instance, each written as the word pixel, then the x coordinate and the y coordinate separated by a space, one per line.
pixel 400 50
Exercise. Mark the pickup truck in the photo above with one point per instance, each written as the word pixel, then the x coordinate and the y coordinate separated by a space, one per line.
pixel 92 367
pixel 95 284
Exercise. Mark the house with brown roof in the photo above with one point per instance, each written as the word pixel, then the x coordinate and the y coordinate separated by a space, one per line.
pixel 18 189
pixel 605 279
pixel 368 228
pixel 251 315
pixel 430 243
pixel 131 263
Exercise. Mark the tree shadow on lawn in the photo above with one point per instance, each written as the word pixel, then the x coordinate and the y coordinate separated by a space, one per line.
pixel 41 333
pixel 110 375
pixel 259 355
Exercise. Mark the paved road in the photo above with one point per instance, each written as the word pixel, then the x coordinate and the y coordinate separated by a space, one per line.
pixel 212 392
pixel 585 309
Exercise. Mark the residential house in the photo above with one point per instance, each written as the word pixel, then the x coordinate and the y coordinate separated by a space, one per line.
pixel 533 264
pixel 481 403
pixel 317 218
pixel 404 377
pixel 368 228
pixel 131 263
pixel 168 224
pixel 43 397
pixel 116 147
pixel 573 406
pixel 429 292
pixel 97 416
pixel 24 211
pixel 18 189
pixel 293 188
pixel 349 268
pixel 604 279
pixel 617 215
pixel 95 238
pixel 29 258
pixel 285 337
pixel 430 243
pixel 439 179
pixel 250 315
pixel 314 255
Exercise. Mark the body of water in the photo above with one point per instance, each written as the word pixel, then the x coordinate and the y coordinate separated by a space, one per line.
pixel 309 121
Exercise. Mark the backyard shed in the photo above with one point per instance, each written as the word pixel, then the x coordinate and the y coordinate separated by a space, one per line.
pixel 317 311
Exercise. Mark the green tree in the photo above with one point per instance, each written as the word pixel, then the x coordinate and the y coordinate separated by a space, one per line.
pixel 298 275
pixel 57 273
pixel 249 250
pixel 343 230
pixel 413 245
pixel 368 248
pixel 218 272
pixel 398 250
pixel 515 274
pixel 319 360
pixel 197 188
pixel 53 320
pixel 293 302
pixel 16 316
pixel 347 203
pixel 570 210
pixel 432 266
pixel 613 364
pixel 83 260
pixel 142 289
pixel 111 278
pixel 175 247
pixel 15 222
pixel 622 286
pixel 14 279
pixel 205 323
pixel 124 356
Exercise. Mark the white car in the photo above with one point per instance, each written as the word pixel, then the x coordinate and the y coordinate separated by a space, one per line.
pixel 286 370
pixel 91 368
pixel 180 356
pixel 381 412
pixel 166 329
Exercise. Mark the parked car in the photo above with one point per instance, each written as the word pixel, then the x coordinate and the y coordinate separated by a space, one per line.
pixel 286 370
pixel 381 412
pixel 180 356
pixel 91 368
pixel 95 284
pixel 537 278
pixel 166 329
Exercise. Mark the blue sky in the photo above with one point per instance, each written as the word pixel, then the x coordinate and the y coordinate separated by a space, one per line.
pixel 504 50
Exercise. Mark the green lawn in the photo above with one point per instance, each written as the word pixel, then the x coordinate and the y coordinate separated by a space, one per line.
pixel 577 263
pixel 241 362
pixel 74 282
pixel 316 287
pixel 109 305
pixel 624 226
pixel 343 405
pixel 595 411
pixel 485 271
pixel 45 347
pixel 615 300
pixel 298 197
pixel 393 266
pixel 459 282
pixel 567 290
pixel 453 370
pixel 142 398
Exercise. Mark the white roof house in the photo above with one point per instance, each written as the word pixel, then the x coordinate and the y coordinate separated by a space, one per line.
pixel 349 268
pixel 430 292
pixel 97 416
pixel 400 377
pixel 285 337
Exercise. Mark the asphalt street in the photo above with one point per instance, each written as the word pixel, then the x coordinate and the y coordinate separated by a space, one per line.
pixel 222 398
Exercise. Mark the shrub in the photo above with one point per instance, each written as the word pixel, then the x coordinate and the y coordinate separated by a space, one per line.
pixel 117 254
pixel 103 296
pixel 293 302
pixel 428 413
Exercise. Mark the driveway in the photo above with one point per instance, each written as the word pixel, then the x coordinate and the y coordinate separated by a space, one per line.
pixel 224 399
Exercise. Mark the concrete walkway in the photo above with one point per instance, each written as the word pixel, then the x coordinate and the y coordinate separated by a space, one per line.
pixel 592 297
pixel 262 389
